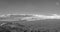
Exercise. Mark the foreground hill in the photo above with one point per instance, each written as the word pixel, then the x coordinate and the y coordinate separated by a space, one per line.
pixel 41 25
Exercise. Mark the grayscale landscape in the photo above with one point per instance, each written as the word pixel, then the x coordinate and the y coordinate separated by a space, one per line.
pixel 21 23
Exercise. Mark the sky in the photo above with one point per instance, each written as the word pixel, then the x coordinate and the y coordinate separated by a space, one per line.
pixel 45 7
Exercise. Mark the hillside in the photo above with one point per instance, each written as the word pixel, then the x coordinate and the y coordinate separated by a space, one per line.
pixel 48 25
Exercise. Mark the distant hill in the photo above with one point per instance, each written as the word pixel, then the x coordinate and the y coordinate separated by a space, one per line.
pixel 26 17
pixel 19 17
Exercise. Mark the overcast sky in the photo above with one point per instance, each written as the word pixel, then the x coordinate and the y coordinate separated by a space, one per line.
pixel 30 6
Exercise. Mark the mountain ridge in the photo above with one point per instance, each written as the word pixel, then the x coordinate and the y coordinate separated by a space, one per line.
pixel 28 17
